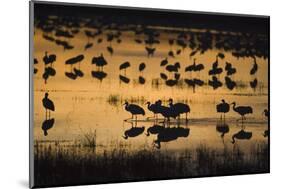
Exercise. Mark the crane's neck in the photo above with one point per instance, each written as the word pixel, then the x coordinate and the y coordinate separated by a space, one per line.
pixel 234 105
pixel 233 139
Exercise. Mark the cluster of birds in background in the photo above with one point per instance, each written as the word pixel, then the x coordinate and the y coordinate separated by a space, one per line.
pixel 173 69
pixel 60 31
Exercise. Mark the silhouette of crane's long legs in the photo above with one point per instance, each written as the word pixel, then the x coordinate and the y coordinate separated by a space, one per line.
pixel 242 119
pixel 130 118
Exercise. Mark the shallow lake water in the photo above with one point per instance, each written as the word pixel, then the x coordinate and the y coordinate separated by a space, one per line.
pixel 88 104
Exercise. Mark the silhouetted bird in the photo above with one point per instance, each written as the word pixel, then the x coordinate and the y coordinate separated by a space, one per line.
pixel 141 66
pixel 110 50
pixel 141 80
pixel 199 67
pixel 193 53
pixel 198 82
pixel 71 75
pixel 180 108
pixel 35 61
pixel 134 109
pixel 215 71
pixel 48 104
pixel 164 62
pixel 171 82
pixel 133 132
pixel 124 66
pixel 177 76
pixel 242 110
pixel 229 83
pixel 167 112
pixel 124 79
pixel 215 83
pixel 99 61
pixel 171 54
pixel 88 45
pixel 223 108
pixel 163 76
pixel 229 69
pixel 100 75
pixel 47 124
pixel 254 83
pixel 78 72
pixel 173 68
pixel 150 51
pixel 241 135
pixel 99 40
pixel 266 113
pixel 154 108
pixel 266 133
pixel 191 67
pixel 74 60
pixel 178 52
pixel 254 69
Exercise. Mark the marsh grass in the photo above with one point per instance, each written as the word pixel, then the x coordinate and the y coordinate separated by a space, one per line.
pixel 57 165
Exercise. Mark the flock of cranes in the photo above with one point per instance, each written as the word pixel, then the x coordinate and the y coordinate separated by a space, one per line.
pixel 60 31
pixel 174 110
pixel 170 79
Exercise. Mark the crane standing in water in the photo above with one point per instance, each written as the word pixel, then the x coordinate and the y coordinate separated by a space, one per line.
pixel 242 110
pixel 134 110
pixel 223 108
pixel 48 105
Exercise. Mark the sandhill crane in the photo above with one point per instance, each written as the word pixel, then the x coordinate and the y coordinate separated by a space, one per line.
pixel 199 67
pixel 254 69
pixel 88 45
pixel 163 76
pixel 167 112
pixel 265 113
pixel 171 54
pixel 134 109
pixel 180 108
pixel 222 107
pixel 266 133
pixel 229 83
pixel 142 66
pixel 154 108
pixel 164 62
pixel 241 135
pixel 191 67
pixel 254 83
pixel 171 82
pixel 173 68
pixel 110 50
pixel 124 66
pixel 177 76
pixel 48 104
pixel 242 110
pixel 150 51
pixel 229 69
pixel 215 83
